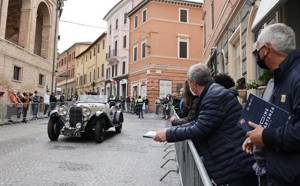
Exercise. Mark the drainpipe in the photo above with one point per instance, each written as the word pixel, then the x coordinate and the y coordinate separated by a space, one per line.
pixel 58 14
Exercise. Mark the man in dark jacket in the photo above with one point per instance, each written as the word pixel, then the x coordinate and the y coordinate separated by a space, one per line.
pixel 275 51
pixel 215 132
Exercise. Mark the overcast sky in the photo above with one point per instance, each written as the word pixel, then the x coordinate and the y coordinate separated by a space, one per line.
pixel 87 12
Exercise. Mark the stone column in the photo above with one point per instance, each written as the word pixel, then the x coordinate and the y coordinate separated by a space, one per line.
pixel 3 14
pixel 25 28
pixel 45 49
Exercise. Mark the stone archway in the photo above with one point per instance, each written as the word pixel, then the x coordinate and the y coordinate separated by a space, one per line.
pixel 42 31
pixel 12 30
pixel 17 21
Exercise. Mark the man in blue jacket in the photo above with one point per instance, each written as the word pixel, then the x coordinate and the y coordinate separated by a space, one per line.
pixel 275 50
pixel 215 131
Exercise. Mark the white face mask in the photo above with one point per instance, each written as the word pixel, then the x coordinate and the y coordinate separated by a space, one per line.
pixel 194 94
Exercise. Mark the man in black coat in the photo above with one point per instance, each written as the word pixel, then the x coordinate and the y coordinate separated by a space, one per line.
pixel 275 50
pixel 215 131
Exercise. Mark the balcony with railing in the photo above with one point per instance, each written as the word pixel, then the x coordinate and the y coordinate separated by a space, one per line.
pixel 112 56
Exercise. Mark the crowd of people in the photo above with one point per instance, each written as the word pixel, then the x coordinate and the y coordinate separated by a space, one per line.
pixel 20 103
pixel 137 105
pixel 210 118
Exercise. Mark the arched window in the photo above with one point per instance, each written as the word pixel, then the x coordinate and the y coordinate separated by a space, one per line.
pixel 18 15
pixel 42 31
pixel 12 30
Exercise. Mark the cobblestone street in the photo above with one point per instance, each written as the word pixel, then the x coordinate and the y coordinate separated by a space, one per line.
pixel 29 158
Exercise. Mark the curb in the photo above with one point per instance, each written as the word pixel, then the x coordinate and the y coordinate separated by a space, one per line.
pixel 19 122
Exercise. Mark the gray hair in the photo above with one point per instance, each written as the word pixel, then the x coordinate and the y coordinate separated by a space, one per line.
pixel 200 74
pixel 280 36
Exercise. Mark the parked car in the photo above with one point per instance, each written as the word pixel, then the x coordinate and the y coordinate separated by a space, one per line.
pixel 90 114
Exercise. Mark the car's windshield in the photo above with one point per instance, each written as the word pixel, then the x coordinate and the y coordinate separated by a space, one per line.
pixel 92 98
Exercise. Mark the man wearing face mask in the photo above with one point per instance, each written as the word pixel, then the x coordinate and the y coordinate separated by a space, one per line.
pixel 215 132
pixel 275 50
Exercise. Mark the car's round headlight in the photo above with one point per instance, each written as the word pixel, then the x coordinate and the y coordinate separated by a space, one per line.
pixel 62 111
pixel 86 111
pixel 67 125
pixel 78 125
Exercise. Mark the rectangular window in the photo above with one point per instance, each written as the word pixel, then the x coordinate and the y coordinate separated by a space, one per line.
pixel 109 51
pixel 135 53
pixel 41 79
pixel 94 51
pixel 183 48
pixel 125 18
pixel 117 24
pixel 90 54
pixel 124 67
pixel 116 48
pixel 106 73
pixel 124 41
pixel 90 76
pixel 94 74
pixel 103 45
pixel 102 70
pixel 98 74
pixel 136 21
pixel 109 29
pixel 144 15
pixel 183 15
pixel 144 45
pixel 113 71
pixel 116 70
pixel 17 73
pixel 165 88
pixel 98 48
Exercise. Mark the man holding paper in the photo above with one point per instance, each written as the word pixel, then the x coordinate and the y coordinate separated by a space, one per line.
pixel 215 132
pixel 275 50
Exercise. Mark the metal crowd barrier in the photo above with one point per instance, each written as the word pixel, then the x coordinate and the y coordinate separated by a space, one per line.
pixel 191 168
pixel 15 113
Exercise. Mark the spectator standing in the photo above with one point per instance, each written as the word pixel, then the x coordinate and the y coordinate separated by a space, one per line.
pixel 190 107
pixel 26 101
pixel 157 106
pixel 62 99
pixel 35 104
pixel 275 51
pixel 139 107
pixel 53 101
pixel 215 132
pixel 13 102
pixel 46 102
pixel 128 104
pixel 146 101
pixel 19 106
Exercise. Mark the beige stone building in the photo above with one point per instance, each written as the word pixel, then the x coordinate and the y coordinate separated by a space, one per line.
pixel 90 67
pixel 65 68
pixel 27 43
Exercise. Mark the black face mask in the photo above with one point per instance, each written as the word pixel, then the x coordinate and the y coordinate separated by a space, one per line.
pixel 260 62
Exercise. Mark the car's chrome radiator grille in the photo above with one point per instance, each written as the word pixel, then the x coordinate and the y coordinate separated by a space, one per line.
pixel 75 116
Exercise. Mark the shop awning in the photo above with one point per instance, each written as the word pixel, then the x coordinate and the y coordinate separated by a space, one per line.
pixel 265 9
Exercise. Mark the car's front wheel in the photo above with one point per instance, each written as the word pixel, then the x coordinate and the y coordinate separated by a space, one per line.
pixel 99 131
pixel 53 129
